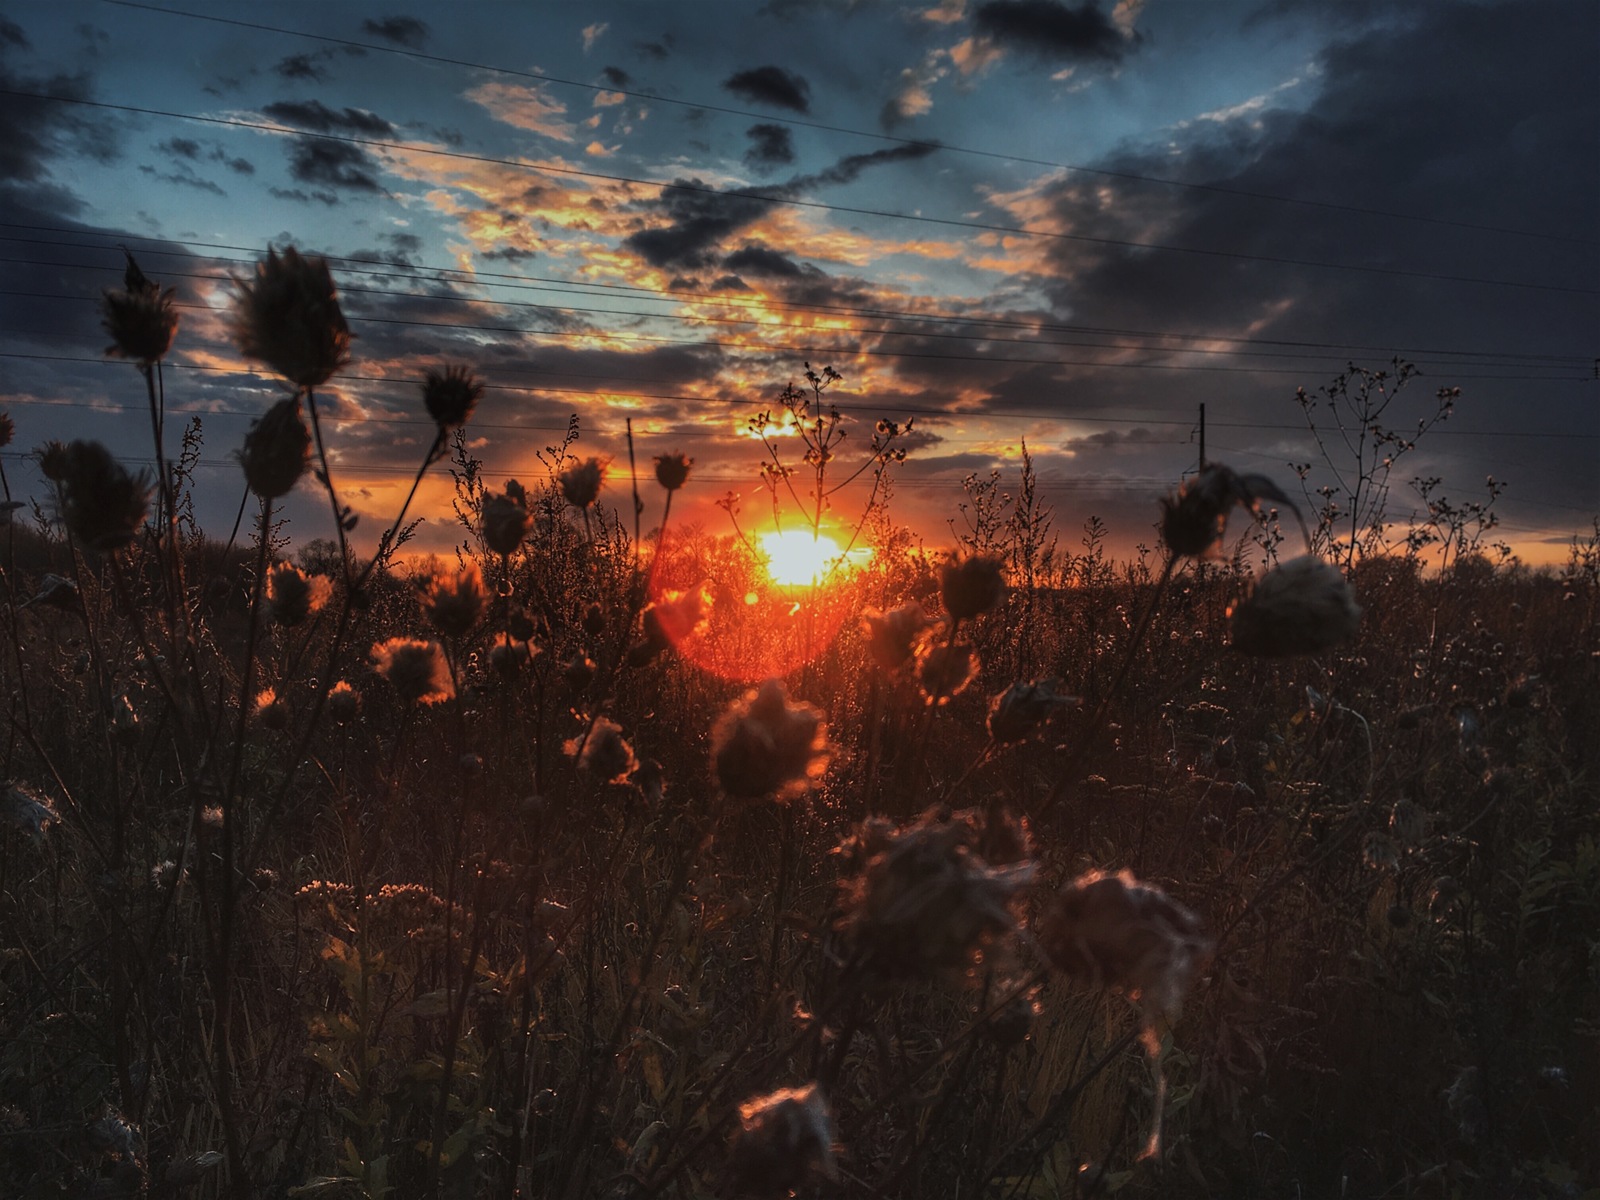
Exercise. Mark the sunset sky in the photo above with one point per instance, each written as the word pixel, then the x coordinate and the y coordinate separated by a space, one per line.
pixel 1005 219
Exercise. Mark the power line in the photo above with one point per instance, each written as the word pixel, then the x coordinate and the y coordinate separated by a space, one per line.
pixel 756 325
pixel 789 201
pixel 668 295
pixel 895 408
pixel 869 134
pixel 818 351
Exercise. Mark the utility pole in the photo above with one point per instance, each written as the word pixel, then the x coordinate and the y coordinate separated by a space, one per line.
pixel 1202 435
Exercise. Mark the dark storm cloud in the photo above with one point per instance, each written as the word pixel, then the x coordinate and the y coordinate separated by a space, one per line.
pixel 772 86
pixel 1053 30
pixel 180 147
pixel 762 261
pixel 11 34
pixel 34 134
pixel 700 221
pixel 616 77
pixel 301 196
pixel 333 165
pixel 301 66
pixel 660 49
pixel 402 31
pixel 192 151
pixel 319 118
pixel 771 146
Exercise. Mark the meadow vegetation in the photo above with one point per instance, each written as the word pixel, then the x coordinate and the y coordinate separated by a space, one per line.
pixel 591 863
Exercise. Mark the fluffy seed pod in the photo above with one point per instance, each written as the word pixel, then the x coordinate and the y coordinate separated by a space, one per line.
pixel 276 451
pixel 1301 607
pixel 783 1139
pixel 923 899
pixel 766 746
pixel 944 670
pixel 1193 519
pixel 141 320
pixel 451 396
pixel 604 753
pixel 581 482
pixel 672 470
pixel 1019 711
pixel 969 586
pixel 505 524
pixel 417 670
pixel 288 317
pixel 344 703
pixel 1124 935
pixel 101 503
pixel 892 636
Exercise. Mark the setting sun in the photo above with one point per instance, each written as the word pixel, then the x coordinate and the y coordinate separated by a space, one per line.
pixel 797 559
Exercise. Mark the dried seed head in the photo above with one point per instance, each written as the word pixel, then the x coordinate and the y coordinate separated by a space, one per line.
pixel 1124 935
pixel 24 809
pixel 677 615
pixel 1301 607
pixel 766 746
pixel 288 317
pixel 292 595
pixel 141 320
pixel 783 1139
pixel 344 703
pixel 277 450
pixel 970 586
pixel 945 670
pixel 892 636
pixel 1018 712
pixel 672 470
pixel 451 396
pixel 505 524
pixel 417 670
pixel 101 503
pixel 604 753
pixel 923 899
pixel 271 711
pixel 509 654
pixel 581 482
pixel 1193 519
pixel 578 671
pixel 453 603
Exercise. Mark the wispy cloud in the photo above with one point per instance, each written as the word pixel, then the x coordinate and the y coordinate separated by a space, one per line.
pixel 525 106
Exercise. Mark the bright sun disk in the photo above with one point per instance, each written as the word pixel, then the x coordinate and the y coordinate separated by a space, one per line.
pixel 797 559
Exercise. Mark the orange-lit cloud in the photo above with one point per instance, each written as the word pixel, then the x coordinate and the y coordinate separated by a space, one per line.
pixel 525 106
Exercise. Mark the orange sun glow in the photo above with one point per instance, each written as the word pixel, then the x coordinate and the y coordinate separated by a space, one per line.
pixel 796 558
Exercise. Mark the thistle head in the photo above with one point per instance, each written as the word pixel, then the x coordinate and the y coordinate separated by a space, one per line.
pixel 766 746
pixel 504 523
pixel 783 1139
pixel 1017 713
pixel 141 318
pixel 892 636
pixel 288 317
pixel 581 482
pixel 292 595
pixel 945 669
pixel 1193 518
pixel 604 753
pixel 1124 935
pixel 454 602
pixel 276 451
pixel 672 470
pixel 417 670
pixel 101 503
pixel 1303 606
pixel 451 396
pixel 970 586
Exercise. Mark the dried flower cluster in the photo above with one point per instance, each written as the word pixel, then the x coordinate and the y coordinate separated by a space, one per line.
pixel 453 603
pixel 504 522
pixel 451 396
pixel 766 746
pixel 581 482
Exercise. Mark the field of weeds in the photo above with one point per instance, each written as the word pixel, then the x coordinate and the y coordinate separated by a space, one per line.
pixel 594 864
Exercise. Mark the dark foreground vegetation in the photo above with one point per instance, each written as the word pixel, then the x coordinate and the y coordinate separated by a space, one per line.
pixel 592 865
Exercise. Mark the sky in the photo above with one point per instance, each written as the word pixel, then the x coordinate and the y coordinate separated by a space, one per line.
pixel 1008 222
